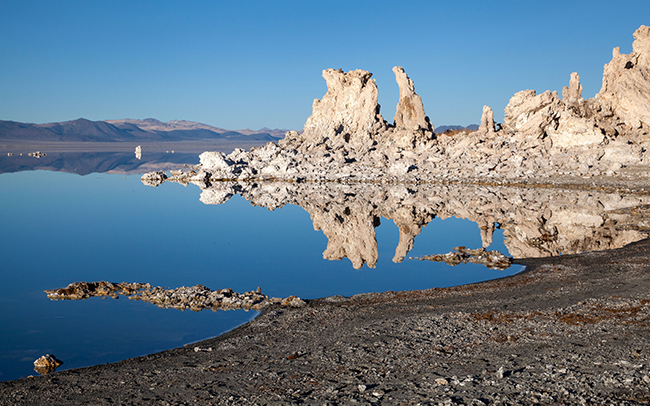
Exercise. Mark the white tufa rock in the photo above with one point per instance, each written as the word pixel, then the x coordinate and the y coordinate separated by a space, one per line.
pixel 626 85
pixel 410 110
pixel 543 137
pixel 348 115
pixel 487 121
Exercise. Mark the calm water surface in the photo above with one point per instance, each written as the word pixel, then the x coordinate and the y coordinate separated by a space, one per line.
pixel 59 228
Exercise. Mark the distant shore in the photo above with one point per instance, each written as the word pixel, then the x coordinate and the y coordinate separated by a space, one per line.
pixel 198 146
pixel 569 330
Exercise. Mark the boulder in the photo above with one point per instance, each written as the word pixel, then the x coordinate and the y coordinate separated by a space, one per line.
pixel 217 164
pixel 530 115
pixel 572 131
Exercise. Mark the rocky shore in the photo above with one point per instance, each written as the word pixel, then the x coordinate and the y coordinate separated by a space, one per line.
pixel 572 328
pixel 569 330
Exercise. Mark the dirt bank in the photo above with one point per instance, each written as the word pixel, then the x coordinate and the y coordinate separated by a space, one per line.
pixel 570 329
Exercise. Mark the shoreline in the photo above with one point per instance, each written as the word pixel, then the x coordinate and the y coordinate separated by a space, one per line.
pixel 568 329
pixel 198 146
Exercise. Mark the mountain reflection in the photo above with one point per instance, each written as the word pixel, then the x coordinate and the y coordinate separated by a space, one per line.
pixel 83 163
pixel 536 222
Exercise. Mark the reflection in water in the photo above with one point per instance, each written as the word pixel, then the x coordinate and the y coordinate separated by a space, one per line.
pixel 46 364
pixel 536 222
pixel 83 163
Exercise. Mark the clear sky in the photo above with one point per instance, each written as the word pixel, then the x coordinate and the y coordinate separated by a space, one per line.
pixel 249 64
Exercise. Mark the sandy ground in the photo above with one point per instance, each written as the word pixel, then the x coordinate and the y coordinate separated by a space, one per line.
pixel 568 330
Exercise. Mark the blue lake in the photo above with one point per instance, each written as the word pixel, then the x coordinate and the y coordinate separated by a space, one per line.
pixel 59 228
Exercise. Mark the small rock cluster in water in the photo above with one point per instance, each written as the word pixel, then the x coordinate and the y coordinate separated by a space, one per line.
pixel 46 364
pixel 195 298
pixel 84 290
pixel 463 255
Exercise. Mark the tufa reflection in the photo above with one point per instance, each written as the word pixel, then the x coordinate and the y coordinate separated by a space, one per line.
pixel 536 222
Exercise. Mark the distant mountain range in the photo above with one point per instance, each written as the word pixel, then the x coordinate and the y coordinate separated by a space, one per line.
pixel 142 131
pixel 441 129
pixel 148 130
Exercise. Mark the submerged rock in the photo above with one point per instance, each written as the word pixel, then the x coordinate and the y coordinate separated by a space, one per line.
pixel 46 364
pixel 462 255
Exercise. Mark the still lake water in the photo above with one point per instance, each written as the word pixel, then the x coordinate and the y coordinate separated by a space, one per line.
pixel 58 228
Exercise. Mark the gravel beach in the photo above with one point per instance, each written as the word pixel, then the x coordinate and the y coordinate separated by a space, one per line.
pixel 572 329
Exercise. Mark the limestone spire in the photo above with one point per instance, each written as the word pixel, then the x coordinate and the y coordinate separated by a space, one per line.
pixel 410 110
pixel 487 121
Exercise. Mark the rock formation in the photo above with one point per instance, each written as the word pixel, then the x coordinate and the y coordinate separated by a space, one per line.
pixel 620 111
pixel 572 95
pixel 626 86
pixel 487 121
pixel 543 139
pixel 347 117
pixel 410 110
pixel 412 128
pixel 563 122
pixel 84 290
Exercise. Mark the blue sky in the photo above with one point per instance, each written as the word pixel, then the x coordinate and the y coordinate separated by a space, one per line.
pixel 258 63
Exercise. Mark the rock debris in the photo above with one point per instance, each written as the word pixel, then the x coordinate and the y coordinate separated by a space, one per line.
pixel 195 298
